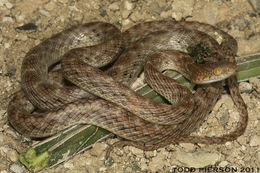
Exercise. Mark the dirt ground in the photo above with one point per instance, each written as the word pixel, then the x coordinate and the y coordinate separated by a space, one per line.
pixel 239 18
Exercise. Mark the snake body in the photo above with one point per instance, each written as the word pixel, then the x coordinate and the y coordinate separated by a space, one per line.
pixel 104 98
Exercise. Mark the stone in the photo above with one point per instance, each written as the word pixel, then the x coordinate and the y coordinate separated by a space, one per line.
pixel 243 148
pixel 143 163
pixel 1 138
pixel 102 169
pixel 114 6
pixel 126 8
pixel 225 99
pixel 127 5
pixel 234 117
pixel 3 150
pixel 69 165
pixel 155 8
pixel 119 152
pixel 1 3
pixel 136 151
pixel 6 45
pixel 126 23
pixel 223 163
pixel 242 140
pixel 7 19
pixel 64 1
pixel 165 14
pixel 158 162
pixel 125 13
pixel 182 9
pixel 162 3
pixel 4 171
pixel 254 141
pixel 209 13
pixel 187 146
pixel 50 6
pixel 12 155
pixel 135 16
pixel 28 7
pixel 258 156
pixel 256 83
pixel 245 87
pixel 9 5
pixel 19 18
pixel 256 5
pixel 150 154
pixel 249 46
pixel 17 168
pixel 197 159
pixel 98 149
pixel 256 123
pixel 44 12
pixel 240 24
pixel 23 37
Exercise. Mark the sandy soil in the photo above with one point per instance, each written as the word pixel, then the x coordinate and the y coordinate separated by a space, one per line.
pixel 237 17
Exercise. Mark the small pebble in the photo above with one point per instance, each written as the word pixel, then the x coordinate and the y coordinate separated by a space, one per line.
pixel 23 37
pixel 6 45
pixel 4 171
pixel 9 5
pixel 254 141
pixel 114 6
pixel 223 163
pixel 102 169
pixel 256 83
pixel 245 87
pixel 256 5
pixel 1 138
pixel 128 5
pixel 150 154
pixel 12 155
pixel 224 99
pixel 109 161
pixel 243 148
pixel 197 159
pixel 256 123
pixel 63 1
pixel 98 149
pixel 68 165
pixel 50 6
pixel 17 168
pixel 125 13
pixel 1 3
pixel 44 12
pixel 258 156
pixel 7 19
pixel 187 146
pixel 19 18
pixel 228 145
pixel 157 163
pixel 136 151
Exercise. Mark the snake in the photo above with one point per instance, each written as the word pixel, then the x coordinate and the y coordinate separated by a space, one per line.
pixel 99 65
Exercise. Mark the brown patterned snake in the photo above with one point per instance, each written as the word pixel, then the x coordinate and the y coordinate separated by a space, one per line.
pixel 145 124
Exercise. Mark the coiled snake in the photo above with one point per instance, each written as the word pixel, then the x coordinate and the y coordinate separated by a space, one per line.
pixel 104 98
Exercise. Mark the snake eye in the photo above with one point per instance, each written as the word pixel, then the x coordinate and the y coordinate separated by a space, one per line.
pixel 217 71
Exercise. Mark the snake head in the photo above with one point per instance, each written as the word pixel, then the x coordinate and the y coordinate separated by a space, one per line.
pixel 210 72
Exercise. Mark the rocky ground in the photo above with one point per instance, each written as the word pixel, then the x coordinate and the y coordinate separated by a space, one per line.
pixel 240 18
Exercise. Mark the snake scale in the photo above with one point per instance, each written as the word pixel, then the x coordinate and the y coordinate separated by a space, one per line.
pixel 104 98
